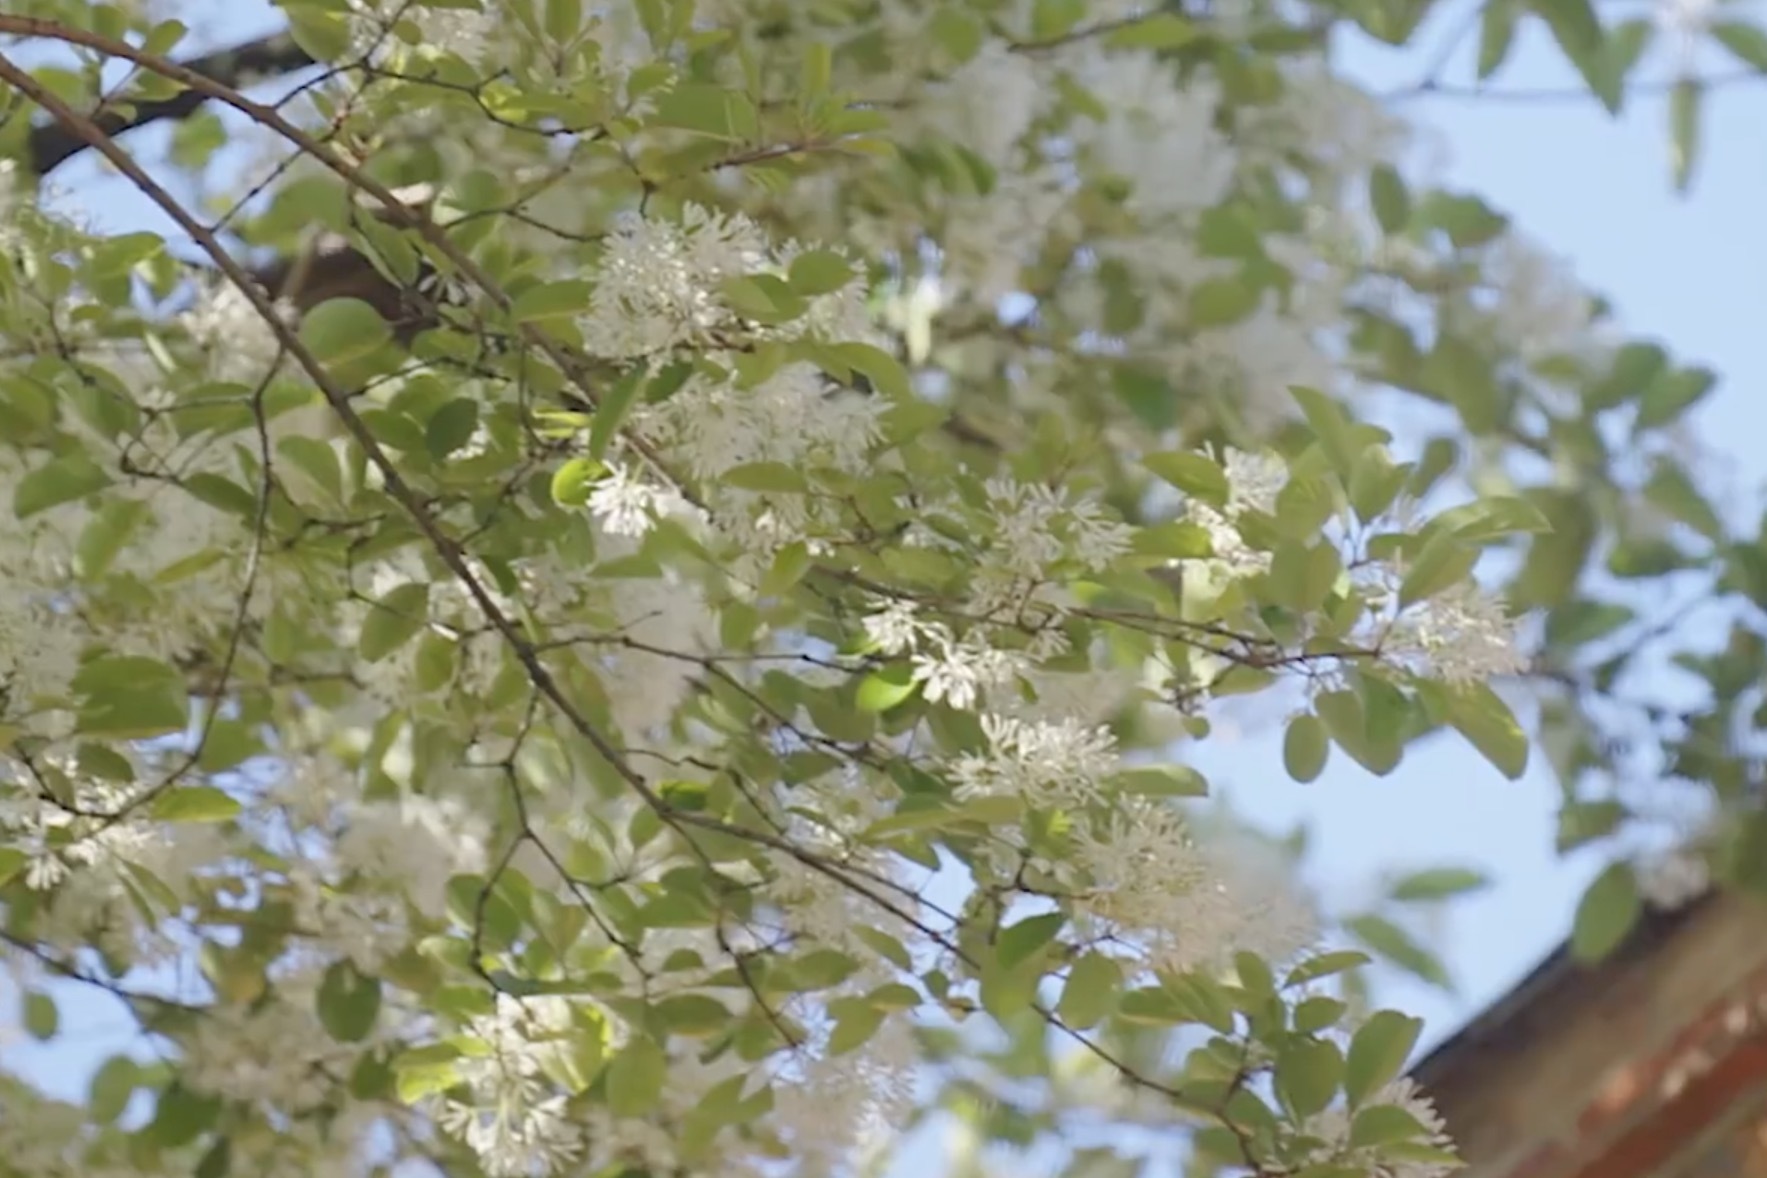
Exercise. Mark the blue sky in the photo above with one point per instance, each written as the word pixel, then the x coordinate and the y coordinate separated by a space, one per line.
pixel 1692 272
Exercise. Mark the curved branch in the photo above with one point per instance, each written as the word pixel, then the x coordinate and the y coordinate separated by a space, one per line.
pixel 54 143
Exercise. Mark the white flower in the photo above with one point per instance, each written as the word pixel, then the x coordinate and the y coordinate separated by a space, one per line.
pixel 1461 635
pixel 1332 1128
pixel 623 503
pixel 1043 761
pixel 1187 905
pixel 960 671
pixel 894 628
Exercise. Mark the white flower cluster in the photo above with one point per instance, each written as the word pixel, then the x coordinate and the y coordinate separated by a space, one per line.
pixel 1331 1128
pixel 1254 481
pixel 1185 904
pixel 1046 762
pixel 1460 635
pixel 660 288
pixel 514 1121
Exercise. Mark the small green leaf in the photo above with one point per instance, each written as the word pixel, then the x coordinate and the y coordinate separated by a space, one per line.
pixel 393 620
pixel 1018 943
pixel 573 482
pixel 774 477
pixel 1305 747
pixel 1444 563
pixel 882 690
pixel 70 477
pixel 1497 22
pixel 195 803
pixel 1378 1053
pixel 1438 883
pixel 41 1018
pixel 1480 715
pixel 1091 991
pixel 615 406
pixel 451 427
pixel 1384 1124
pixel 1746 41
pixel 1684 130
pixel 1308 1072
pixel 1195 474
pixel 112 1087
pixel 1325 965
pixel 1390 198
pixel 551 300
pixel 1398 947
pixel 348 1002
pixel 338 331
pixel 1606 913
pixel 635 1078
pixel 1159 30
pixel 818 272
pixel 1220 302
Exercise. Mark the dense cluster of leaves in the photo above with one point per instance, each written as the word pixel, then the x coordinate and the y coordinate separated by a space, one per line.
pixel 643 578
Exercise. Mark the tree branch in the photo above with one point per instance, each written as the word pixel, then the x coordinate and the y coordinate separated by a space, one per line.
pixel 54 143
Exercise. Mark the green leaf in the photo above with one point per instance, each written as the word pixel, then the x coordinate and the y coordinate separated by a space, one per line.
pixel 1438 883
pixel 707 110
pixel 635 1078
pixel 425 1071
pixel 693 1014
pixel 1668 397
pixel 12 862
pixel 818 272
pixel 1220 302
pixel 394 620
pixel 1684 130
pixel 1325 965
pixel 1161 30
pixel 1390 198
pixel 1398 947
pixel 109 532
pixel 70 477
pixel 1017 944
pixel 882 690
pixel 41 1018
pixel 1308 1072
pixel 611 413
pixel 1305 747
pixel 1195 474
pixel 574 482
pixel 854 1026
pixel 195 803
pixel 112 1087
pixel 338 331
pixel 180 1116
pixel 551 300
pixel 1090 993
pixel 1315 1014
pixel 450 427
pixel 776 477
pixel 348 1002
pixel 1444 563
pixel 1480 715
pixel 1748 42
pixel 1606 913
pixel 1497 22
pixel 1384 1124
pixel 1378 1053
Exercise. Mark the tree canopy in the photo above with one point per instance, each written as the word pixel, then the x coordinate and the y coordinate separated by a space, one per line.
pixel 622 589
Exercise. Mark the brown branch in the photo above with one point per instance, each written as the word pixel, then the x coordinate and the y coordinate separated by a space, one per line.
pixel 54 143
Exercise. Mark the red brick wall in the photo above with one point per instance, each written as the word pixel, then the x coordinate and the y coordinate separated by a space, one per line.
pixel 1618 1071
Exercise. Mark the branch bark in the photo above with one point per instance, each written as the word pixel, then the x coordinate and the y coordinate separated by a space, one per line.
pixel 54 143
